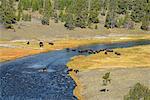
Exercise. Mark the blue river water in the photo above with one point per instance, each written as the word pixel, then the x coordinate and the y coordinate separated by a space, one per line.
pixel 21 79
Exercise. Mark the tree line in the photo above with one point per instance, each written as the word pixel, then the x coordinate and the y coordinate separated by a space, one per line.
pixel 78 13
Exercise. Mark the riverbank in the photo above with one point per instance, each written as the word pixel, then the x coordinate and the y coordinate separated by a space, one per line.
pixel 34 32
pixel 78 87
pixel 11 49
pixel 130 57
pixel 91 66
pixel 18 48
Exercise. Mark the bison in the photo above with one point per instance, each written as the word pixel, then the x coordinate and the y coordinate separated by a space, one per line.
pixel 109 50
pixel 28 43
pixel 50 43
pixel 67 49
pixel 76 71
pixel 41 44
pixel 117 53
pixel 104 90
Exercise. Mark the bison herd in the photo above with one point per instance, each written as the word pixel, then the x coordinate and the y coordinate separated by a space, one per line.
pixel 41 44
pixel 72 70
pixel 90 51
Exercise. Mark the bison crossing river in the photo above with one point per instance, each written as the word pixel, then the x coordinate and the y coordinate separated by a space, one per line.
pixel 21 80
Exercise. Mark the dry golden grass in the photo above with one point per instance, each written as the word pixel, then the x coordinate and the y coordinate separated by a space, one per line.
pixel 81 62
pixel 16 49
pixel 130 57
pixel 13 53
pixel 78 87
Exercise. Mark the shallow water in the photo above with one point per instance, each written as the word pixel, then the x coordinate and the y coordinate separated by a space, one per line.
pixel 21 79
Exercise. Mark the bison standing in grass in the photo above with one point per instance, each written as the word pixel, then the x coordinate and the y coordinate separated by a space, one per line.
pixel 105 53
pixel 117 53
pixel 76 71
pixel 28 43
pixel 41 44
pixel 50 43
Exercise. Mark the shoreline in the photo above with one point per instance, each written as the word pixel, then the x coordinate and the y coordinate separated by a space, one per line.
pixel 106 65
pixel 8 53
pixel 76 43
pixel 78 87
pixel 93 78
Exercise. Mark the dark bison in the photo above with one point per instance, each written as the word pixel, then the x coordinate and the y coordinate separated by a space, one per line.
pixel 41 44
pixel 50 43
pixel 28 43
pixel 102 50
pixel 117 53
pixel 94 52
pixel 69 70
pixel 73 49
pixel 109 50
pixel 97 51
pixel 67 49
pixel 44 69
pixel 80 51
pixel 76 71
pixel 90 52
pixel 104 90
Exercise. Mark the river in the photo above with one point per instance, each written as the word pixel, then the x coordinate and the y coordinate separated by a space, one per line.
pixel 21 79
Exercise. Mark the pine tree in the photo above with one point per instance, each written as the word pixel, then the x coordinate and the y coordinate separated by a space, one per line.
pixel 47 8
pixel 81 13
pixel 8 13
pixel 145 22
pixel 64 6
pixel 138 92
pixel 122 6
pixel 62 16
pixel 35 5
pixel 94 11
pixel 47 12
pixel 69 22
pixel 128 23
pixel 111 18
pixel 26 4
pixel 41 3
pixel 138 10
pixel 127 17
pixel 120 22
pixel 104 6
pixel 69 15
pixel 146 18
pixel 20 10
